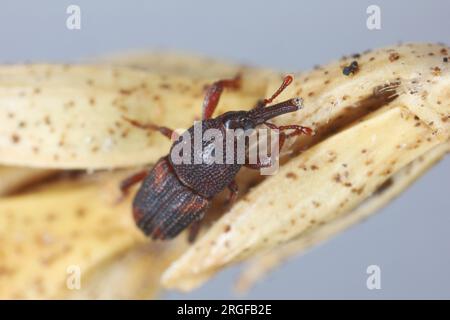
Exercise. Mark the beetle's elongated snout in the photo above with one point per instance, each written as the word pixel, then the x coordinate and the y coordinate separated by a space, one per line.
pixel 263 114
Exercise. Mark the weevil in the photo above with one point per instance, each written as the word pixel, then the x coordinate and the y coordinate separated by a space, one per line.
pixel 174 196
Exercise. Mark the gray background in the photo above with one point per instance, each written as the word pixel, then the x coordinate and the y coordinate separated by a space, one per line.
pixel 409 240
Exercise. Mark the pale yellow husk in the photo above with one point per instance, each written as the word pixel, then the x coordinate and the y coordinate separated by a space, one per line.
pixel 70 117
pixel 48 234
pixel 126 268
pixel 15 178
pixel 259 266
pixel 337 175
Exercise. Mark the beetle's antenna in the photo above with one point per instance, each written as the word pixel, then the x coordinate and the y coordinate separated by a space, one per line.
pixel 150 126
pixel 286 82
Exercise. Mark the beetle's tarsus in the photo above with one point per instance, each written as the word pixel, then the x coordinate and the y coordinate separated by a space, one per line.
pixel 298 130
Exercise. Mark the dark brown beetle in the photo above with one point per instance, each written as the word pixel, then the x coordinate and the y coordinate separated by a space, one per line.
pixel 174 195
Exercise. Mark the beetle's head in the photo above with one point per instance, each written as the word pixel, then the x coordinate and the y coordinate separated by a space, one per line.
pixel 233 120
pixel 250 119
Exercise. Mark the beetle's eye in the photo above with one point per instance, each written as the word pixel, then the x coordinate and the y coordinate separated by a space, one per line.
pixel 239 123
pixel 232 124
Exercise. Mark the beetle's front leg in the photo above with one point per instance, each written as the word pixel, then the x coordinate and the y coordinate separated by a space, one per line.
pixel 297 130
pixel 258 165
pixel 214 92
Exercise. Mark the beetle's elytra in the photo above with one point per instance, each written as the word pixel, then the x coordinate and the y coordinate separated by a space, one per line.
pixel 164 206
pixel 176 195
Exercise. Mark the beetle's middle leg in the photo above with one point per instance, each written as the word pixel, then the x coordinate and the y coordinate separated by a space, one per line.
pixel 258 165
pixel 214 92
pixel 234 190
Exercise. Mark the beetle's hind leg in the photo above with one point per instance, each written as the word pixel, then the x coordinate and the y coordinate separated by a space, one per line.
pixel 167 132
pixel 214 92
pixel 195 226
pixel 130 181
